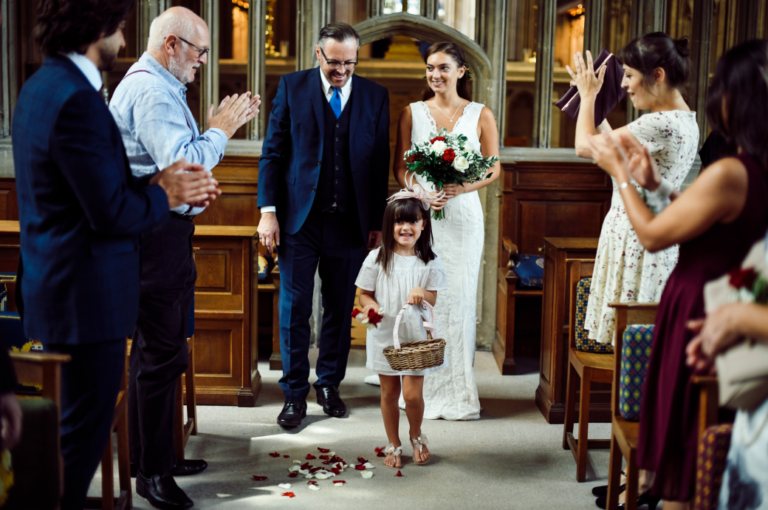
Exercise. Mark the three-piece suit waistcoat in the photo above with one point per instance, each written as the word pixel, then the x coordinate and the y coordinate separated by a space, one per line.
pixel 335 182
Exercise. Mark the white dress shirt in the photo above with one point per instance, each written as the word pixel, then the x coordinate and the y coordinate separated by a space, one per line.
pixel 345 92
pixel 87 67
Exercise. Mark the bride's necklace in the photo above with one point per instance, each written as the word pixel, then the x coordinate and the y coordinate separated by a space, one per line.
pixel 449 117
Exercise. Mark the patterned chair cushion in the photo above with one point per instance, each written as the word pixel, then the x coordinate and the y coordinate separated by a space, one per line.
pixel 635 355
pixel 583 343
pixel 711 462
pixel 12 334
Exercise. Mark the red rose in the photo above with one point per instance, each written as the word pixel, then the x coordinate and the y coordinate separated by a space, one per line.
pixel 437 138
pixel 356 312
pixel 449 156
pixel 374 318
pixel 743 278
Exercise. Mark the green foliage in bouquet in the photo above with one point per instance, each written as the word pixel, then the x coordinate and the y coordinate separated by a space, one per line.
pixel 446 159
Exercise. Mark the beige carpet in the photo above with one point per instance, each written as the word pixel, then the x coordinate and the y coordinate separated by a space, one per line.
pixel 511 458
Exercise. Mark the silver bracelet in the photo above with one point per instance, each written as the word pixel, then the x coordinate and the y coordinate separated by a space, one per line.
pixel 623 185
pixel 665 188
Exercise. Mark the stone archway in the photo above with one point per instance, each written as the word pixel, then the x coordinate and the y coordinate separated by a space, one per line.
pixel 428 30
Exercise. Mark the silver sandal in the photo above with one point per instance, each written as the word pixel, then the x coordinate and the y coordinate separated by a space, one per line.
pixel 419 443
pixel 396 452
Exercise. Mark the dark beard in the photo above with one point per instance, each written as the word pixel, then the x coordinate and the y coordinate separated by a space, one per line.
pixel 107 58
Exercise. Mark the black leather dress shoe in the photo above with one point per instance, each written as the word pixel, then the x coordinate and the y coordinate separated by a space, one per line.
pixel 602 490
pixel 643 499
pixel 292 414
pixel 162 492
pixel 182 468
pixel 188 467
pixel 329 398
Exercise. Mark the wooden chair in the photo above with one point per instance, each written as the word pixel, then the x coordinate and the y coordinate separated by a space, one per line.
pixel 709 401
pixel 271 287
pixel 183 430
pixel 587 366
pixel 624 433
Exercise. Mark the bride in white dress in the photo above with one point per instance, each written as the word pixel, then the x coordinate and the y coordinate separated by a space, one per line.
pixel 451 393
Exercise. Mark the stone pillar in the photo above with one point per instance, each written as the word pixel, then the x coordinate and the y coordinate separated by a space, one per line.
pixel 593 27
pixel 147 11
pixel 312 15
pixel 647 16
pixel 209 81
pixel 256 63
pixel 545 49
pixel 700 55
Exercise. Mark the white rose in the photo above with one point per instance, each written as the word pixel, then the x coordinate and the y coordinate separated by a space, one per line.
pixel 439 147
pixel 460 163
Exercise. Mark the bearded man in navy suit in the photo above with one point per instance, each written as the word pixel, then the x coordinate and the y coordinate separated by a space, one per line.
pixel 81 213
pixel 323 178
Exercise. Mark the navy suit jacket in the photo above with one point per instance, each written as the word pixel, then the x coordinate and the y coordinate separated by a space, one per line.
pixel 292 153
pixel 80 209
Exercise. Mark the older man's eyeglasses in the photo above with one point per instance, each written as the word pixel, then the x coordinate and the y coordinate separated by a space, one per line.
pixel 200 51
pixel 335 64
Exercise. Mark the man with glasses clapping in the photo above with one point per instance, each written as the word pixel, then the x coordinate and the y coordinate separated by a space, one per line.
pixel 158 128
pixel 323 178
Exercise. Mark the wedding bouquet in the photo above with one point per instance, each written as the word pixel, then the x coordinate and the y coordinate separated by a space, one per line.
pixel 446 159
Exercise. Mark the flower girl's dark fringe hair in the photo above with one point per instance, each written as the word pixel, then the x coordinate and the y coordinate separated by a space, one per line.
pixel 455 51
pixel 410 210
pixel 741 81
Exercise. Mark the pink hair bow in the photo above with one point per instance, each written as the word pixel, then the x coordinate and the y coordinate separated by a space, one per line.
pixel 414 190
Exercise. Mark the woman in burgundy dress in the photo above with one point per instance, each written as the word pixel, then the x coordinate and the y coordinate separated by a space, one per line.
pixel 715 221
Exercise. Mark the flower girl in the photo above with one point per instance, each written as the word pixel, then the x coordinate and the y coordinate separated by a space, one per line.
pixel 403 270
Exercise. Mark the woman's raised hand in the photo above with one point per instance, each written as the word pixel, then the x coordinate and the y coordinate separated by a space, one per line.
pixel 583 77
pixel 609 156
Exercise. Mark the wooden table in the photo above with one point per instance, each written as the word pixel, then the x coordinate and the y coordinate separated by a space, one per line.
pixel 553 368
pixel 226 306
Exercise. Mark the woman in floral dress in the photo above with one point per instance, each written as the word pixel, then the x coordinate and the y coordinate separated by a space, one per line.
pixel 655 70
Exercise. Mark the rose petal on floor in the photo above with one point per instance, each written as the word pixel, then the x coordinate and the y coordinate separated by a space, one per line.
pixel 293 475
pixel 288 494
pixel 324 450
pixel 310 475
pixel 366 474
pixel 284 485
pixel 310 456
pixel 368 465
pixel 399 474
pixel 361 460
pixel 223 495
pixel 286 456
pixel 381 454
pixel 360 467
pixel 259 478
pixel 297 462
pixel 338 483
pixel 274 454
pixel 311 483
pixel 379 449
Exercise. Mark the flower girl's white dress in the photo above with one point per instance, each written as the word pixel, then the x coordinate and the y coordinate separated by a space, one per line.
pixel 452 393
pixel 391 293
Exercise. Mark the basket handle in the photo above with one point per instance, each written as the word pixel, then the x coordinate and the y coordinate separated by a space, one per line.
pixel 428 325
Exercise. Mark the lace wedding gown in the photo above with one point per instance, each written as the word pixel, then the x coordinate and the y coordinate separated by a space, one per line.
pixel 451 393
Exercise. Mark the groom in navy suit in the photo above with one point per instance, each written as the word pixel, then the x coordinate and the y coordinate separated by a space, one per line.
pixel 323 178
pixel 81 212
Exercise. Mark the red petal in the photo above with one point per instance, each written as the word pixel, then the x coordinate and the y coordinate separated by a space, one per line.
pixel 311 482
pixel 306 465
pixel 379 449
pixel 288 494
pixel 315 469
pixel 335 471
pixel 310 456
pixel 399 474
pixel 326 462
pixel 339 481
pixel 286 456
pixel 274 454
pixel 324 457
pixel 324 450
pixel 381 454
pixel 293 475
pixel 355 313
pixel 361 460
pixel 359 467
pixel 259 478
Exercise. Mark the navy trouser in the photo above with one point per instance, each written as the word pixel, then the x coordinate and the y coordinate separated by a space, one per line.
pixel 159 353
pixel 332 242
pixel 89 387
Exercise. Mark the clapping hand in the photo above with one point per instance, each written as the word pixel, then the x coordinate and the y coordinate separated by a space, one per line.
pixel 234 112
pixel 610 157
pixel 187 183
pixel 584 77
pixel 640 166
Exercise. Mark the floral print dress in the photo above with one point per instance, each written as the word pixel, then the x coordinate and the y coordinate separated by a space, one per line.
pixel 624 270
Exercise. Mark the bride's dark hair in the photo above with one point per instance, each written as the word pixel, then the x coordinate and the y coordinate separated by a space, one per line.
pixel 455 52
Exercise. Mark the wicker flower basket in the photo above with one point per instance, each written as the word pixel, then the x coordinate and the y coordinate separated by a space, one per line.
pixel 420 355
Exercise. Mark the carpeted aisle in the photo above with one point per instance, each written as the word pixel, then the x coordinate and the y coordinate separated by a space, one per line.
pixel 509 459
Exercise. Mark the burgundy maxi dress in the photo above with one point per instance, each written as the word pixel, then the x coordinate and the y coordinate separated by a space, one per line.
pixel 669 417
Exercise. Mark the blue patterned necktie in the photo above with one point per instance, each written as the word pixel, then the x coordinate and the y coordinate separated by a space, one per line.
pixel 336 102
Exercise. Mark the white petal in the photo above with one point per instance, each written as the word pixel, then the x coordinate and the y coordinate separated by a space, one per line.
pixel 294 468
pixel 365 321
pixel 366 474
pixel 297 462
pixel 285 485
pixel 360 316
pixel 331 454
pixel 223 495
pixel 339 484
pixel 314 487
pixel 368 465
pixel 309 476
pixel 303 471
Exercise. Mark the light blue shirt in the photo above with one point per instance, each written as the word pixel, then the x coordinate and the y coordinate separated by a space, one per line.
pixel 87 67
pixel 157 126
